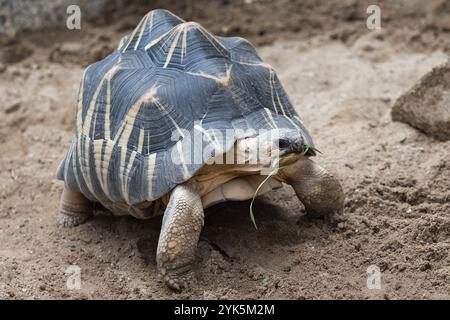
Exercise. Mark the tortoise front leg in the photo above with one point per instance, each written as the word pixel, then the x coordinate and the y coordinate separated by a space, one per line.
pixel 316 188
pixel 180 231
pixel 74 209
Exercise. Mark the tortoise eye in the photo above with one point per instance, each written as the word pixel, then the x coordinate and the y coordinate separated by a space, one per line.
pixel 283 143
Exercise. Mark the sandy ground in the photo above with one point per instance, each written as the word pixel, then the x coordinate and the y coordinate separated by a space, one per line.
pixel 396 181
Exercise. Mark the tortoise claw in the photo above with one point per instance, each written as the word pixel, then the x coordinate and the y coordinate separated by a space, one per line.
pixel 177 280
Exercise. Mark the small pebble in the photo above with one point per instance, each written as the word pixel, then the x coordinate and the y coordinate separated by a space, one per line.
pixel 425 266
pixel 287 269
pixel 13 107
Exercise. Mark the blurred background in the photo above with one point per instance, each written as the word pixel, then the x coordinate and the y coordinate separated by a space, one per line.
pixel 343 78
pixel 416 24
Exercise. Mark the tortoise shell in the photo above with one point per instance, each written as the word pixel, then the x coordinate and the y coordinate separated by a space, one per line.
pixel 168 78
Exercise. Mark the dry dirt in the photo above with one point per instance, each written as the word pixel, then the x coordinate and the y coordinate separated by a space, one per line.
pixel 396 179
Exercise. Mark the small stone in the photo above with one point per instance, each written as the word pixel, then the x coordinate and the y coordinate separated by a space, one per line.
pixel 71 47
pixel 425 106
pixel 13 107
pixel 400 267
pixel 425 266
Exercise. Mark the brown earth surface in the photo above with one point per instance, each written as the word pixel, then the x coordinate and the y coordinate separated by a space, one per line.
pixel 343 80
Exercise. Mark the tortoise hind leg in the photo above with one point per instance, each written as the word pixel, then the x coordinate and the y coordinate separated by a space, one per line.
pixel 180 232
pixel 74 209
pixel 316 188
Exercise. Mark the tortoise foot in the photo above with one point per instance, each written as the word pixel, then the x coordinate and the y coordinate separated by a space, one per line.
pixel 74 209
pixel 70 221
pixel 180 231
pixel 317 189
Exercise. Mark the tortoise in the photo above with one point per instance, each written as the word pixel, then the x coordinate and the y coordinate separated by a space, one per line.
pixel 139 111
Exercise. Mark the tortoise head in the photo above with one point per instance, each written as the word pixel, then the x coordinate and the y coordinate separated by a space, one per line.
pixel 267 146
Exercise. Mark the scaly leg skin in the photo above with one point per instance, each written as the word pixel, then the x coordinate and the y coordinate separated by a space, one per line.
pixel 316 188
pixel 74 209
pixel 180 232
